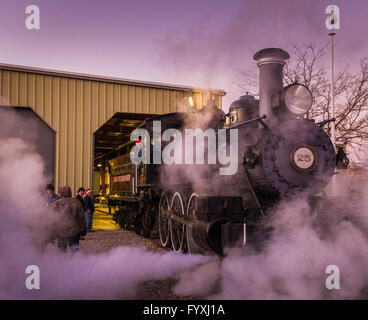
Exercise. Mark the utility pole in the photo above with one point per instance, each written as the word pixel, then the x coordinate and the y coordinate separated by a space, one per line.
pixel 333 133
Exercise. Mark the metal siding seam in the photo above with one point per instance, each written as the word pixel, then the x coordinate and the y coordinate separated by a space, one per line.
pixel 41 89
pixel 126 99
pixel 166 103
pixel 49 101
pixel 18 90
pixel 71 143
pixel 33 91
pixel 66 134
pixel 57 120
pixel 74 157
pixel 23 92
pixel 89 166
pixel 100 105
pixel 111 95
pixel 105 113
pixel 81 131
pixel 137 100
pixel 155 99
pixel 44 98
pixel 13 80
pixel 8 87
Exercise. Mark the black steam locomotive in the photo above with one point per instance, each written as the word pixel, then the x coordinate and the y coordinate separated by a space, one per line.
pixel 280 153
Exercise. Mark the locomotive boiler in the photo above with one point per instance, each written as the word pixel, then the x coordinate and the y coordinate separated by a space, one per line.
pixel 280 153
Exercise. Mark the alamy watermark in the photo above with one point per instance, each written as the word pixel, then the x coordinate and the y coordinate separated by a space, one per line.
pixel 33 280
pixel 333 280
pixel 179 141
pixel 33 17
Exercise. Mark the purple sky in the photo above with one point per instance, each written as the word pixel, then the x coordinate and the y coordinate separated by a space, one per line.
pixel 193 42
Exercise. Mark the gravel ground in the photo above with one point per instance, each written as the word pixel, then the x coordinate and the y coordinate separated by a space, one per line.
pixel 103 240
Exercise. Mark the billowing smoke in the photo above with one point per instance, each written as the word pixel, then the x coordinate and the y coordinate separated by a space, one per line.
pixel 114 274
pixel 292 263
pixel 199 281
pixel 210 154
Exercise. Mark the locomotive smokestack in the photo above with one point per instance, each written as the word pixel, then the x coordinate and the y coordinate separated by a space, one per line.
pixel 270 62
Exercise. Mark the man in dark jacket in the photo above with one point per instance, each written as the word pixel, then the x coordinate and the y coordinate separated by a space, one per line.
pixel 79 196
pixel 90 208
pixel 51 196
pixel 69 220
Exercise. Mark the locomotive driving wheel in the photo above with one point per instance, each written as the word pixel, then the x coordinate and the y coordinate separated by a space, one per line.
pixel 163 220
pixel 177 229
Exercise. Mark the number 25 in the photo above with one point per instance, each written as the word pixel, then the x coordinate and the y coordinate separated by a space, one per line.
pixel 304 157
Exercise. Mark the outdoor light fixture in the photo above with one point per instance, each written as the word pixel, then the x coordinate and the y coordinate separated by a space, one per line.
pixel 191 101
pixel 99 165
pixel 295 98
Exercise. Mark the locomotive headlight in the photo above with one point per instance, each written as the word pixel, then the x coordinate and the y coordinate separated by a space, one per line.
pixel 296 98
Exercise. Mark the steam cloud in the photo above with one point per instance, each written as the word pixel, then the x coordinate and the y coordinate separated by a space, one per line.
pixel 114 274
pixel 293 262
pixel 291 265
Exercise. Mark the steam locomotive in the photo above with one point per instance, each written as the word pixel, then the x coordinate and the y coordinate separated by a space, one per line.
pixel 193 208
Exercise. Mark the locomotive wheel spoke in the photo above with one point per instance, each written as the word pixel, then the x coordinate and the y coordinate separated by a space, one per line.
pixel 163 220
pixel 177 229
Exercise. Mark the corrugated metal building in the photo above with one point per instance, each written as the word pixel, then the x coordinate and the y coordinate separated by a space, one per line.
pixel 75 106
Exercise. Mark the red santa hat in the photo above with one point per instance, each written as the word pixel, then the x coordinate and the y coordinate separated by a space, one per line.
pixel 88 190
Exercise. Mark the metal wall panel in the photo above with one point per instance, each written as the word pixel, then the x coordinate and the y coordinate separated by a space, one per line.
pixel 76 107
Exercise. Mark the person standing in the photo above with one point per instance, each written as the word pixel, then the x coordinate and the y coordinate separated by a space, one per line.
pixel 89 208
pixel 48 237
pixel 51 196
pixel 80 195
pixel 69 220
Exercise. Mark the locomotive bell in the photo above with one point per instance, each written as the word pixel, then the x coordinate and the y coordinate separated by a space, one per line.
pixel 270 62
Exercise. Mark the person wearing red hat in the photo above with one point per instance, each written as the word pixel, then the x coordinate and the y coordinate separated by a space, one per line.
pixel 90 209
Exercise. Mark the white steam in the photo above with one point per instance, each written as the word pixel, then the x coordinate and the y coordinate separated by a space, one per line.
pixel 293 262
pixel 114 274
pixel 291 265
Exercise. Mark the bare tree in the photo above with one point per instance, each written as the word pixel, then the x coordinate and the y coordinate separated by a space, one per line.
pixel 307 67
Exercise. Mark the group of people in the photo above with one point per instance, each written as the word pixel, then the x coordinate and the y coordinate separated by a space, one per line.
pixel 70 218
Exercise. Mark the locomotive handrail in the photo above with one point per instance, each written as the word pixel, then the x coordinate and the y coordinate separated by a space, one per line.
pixel 254 194
pixel 322 123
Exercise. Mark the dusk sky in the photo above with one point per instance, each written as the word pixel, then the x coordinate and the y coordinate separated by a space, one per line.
pixel 194 42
